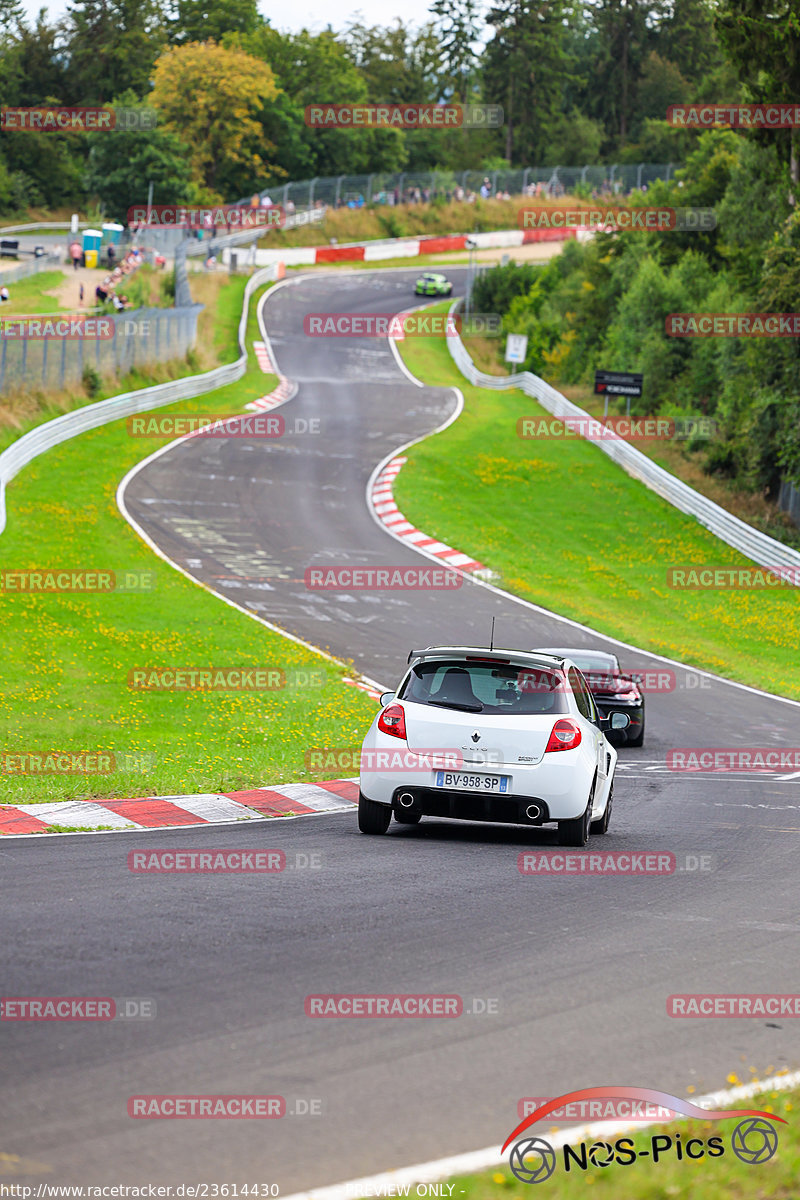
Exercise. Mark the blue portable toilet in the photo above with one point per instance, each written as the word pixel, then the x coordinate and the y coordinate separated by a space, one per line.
pixel 91 239
pixel 112 233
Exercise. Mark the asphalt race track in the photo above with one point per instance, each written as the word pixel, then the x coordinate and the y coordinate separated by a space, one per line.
pixel 576 970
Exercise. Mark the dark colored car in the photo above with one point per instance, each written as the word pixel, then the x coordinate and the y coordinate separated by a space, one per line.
pixel 612 690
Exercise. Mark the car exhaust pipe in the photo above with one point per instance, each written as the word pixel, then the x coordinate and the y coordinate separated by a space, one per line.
pixel 405 800
pixel 533 812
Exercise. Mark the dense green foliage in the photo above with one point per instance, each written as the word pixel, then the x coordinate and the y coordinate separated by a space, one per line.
pixel 604 303
pixel 578 82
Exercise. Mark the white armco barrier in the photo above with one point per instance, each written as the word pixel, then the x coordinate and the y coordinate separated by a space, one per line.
pixel 92 416
pixel 750 542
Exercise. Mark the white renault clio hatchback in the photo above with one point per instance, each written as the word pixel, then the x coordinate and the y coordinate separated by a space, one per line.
pixel 489 735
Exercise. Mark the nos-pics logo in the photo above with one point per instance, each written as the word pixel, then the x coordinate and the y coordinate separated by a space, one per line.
pixel 533 1159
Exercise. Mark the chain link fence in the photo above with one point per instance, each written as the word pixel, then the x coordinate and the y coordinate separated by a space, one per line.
pixel 137 338
pixel 402 187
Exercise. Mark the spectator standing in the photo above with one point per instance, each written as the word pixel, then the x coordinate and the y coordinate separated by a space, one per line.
pixel 4 296
pixel 76 253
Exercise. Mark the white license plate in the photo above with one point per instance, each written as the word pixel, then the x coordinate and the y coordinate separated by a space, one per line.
pixel 461 781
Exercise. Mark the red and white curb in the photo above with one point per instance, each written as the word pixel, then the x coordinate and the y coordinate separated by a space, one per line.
pixel 169 812
pixel 284 391
pixel 263 359
pixel 365 687
pixel 389 514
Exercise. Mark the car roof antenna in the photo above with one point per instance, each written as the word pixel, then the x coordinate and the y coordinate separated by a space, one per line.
pixel 491 640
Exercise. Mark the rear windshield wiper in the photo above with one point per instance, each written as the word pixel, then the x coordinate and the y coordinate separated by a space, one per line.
pixel 460 707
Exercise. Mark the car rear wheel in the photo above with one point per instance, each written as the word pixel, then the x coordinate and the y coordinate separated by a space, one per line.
pixel 576 831
pixel 372 817
pixel 602 823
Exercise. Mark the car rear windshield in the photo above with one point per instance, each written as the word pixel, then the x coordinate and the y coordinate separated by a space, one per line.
pixel 486 688
pixel 595 664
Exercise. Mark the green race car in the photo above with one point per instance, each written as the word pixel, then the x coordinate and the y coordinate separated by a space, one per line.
pixel 431 284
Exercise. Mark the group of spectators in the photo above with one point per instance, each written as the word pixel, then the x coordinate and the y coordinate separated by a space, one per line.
pixel 108 289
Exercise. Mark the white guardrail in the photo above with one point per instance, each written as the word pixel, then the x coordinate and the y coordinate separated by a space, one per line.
pixel 44 437
pixel 750 542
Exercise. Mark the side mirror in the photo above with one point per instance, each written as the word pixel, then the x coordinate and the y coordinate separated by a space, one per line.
pixel 620 721
pixel 387 698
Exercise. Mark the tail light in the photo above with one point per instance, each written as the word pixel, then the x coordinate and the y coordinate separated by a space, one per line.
pixel 566 735
pixel 393 721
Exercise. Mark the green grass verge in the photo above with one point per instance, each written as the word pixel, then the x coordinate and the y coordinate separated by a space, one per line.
pixel 216 337
pixel 29 295
pixel 67 656
pixel 569 530
pixel 724 1177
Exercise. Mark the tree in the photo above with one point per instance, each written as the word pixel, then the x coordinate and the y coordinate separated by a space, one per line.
pixel 762 40
pixel 318 69
pixel 123 163
pixel 110 47
pixel 210 96
pixel 458 24
pixel 622 42
pixel 525 71
pixel 686 37
pixel 12 13
pixel 204 20
pixel 661 84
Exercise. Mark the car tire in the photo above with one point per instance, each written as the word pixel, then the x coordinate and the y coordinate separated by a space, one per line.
pixel 408 818
pixel 638 741
pixel 602 823
pixel 372 817
pixel 576 831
